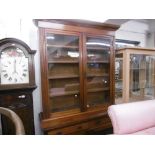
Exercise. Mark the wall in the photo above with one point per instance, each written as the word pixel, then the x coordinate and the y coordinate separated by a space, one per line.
pixel 151 34
pixel 136 30
pixel 26 31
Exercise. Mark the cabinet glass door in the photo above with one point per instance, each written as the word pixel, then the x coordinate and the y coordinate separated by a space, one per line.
pixel 142 77
pixel 97 71
pixel 63 71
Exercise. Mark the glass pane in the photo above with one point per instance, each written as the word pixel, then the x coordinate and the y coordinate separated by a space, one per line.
pixel 142 77
pixel 118 78
pixel 62 48
pixel 98 98
pixel 63 71
pixel 98 70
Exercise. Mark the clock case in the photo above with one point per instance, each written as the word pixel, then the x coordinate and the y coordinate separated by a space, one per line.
pixel 18 97
pixel 13 42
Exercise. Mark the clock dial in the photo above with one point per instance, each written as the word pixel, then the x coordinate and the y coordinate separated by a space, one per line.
pixel 14 66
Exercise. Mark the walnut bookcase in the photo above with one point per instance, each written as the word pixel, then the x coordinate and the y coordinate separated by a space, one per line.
pixel 77 69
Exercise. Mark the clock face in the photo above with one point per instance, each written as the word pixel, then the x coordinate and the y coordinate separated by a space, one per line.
pixel 13 66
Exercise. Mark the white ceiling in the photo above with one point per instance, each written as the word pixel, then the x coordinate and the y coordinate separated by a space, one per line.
pixel 122 21
pixel 116 21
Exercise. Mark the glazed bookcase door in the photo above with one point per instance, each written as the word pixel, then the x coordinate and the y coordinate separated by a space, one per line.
pixel 97 80
pixel 142 77
pixel 63 57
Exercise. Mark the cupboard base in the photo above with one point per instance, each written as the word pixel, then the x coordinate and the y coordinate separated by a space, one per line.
pixel 80 126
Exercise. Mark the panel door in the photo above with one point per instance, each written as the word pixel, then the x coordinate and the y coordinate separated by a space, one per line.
pixel 63 71
pixel 97 71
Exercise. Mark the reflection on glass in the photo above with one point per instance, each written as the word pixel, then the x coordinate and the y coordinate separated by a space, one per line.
pixel 98 42
pixel 62 48
pixel 63 71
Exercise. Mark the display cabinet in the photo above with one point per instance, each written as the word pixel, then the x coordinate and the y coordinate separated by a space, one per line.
pixel 134 74
pixel 77 63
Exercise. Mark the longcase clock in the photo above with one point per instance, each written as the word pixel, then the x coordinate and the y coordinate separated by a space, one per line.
pixel 17 82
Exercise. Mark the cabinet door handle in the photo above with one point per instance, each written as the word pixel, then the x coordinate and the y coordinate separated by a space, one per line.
pixel 88 106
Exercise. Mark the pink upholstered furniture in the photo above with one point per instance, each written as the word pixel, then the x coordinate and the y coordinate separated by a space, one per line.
pixel 133 118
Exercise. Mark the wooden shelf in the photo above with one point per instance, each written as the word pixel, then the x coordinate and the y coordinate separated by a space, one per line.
pixel 54 92
pixel 98 48
pixel 63 76
pixel 99 75
pixel 98 89
pixel 63 46
pixel 62 61
pixel 98 61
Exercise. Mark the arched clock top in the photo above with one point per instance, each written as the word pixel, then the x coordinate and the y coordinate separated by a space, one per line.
pixel 13 42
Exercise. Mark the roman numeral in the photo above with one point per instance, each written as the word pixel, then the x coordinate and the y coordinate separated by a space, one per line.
pixel 10 79
pixel 5 75
pixel 25 70
pixel 24 74
pixel 15 80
